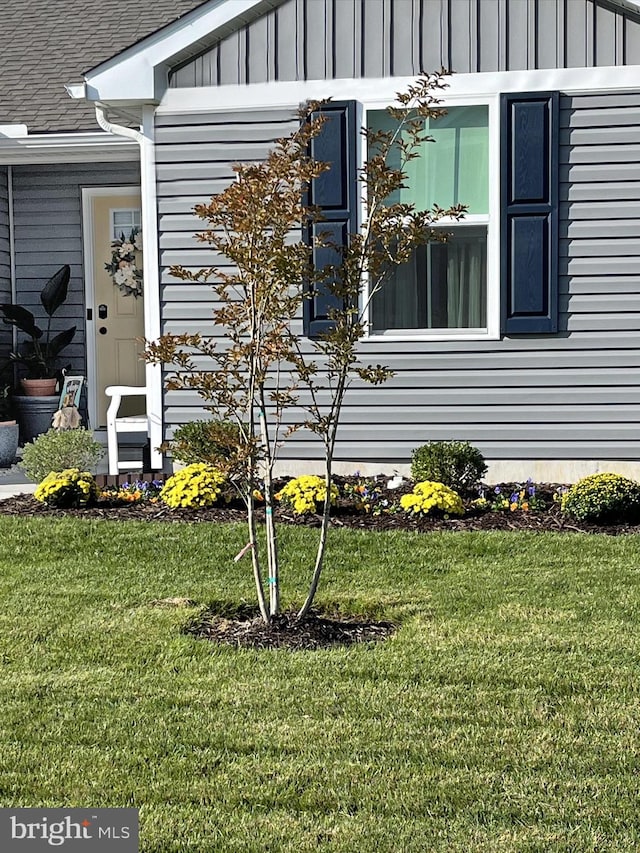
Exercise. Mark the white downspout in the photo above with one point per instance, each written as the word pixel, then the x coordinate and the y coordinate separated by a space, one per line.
pixel 116 129
pixel 153 373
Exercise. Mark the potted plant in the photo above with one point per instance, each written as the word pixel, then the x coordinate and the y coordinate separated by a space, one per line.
pixel 8 427
pixel 40 356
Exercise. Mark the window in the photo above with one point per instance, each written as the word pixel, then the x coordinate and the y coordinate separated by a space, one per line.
pixel 124 220
pixel 444 285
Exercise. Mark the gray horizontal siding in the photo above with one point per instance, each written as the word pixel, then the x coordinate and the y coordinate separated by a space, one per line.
pixel 572 395
pixel 48 233
pixel 323 39
pixel 5 267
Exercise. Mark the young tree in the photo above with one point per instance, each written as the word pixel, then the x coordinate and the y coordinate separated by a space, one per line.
pixel 263 376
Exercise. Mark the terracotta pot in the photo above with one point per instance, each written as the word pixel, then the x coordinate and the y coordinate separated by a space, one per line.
pixel 39 387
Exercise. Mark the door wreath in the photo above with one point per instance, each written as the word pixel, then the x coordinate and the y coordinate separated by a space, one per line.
pixel 123 267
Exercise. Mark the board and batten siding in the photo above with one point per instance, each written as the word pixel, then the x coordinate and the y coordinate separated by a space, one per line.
pixel 571 395
pixel 324 39
pixel 5 259
pixel 47 205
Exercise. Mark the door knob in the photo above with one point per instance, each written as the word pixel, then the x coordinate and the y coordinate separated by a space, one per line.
pixel 103 330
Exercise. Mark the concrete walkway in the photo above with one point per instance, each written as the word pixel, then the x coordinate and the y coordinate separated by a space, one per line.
pixel 13 481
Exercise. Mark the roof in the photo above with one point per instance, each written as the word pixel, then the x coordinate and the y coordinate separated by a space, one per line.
pixel 130 77
pixel 41 50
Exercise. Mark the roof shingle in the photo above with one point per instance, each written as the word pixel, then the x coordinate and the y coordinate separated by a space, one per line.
pixel 45 44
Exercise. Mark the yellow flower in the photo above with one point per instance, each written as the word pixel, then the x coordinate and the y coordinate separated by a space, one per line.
pixel 305 492
pixel 70 487
pixel 197 485
pixel 427 496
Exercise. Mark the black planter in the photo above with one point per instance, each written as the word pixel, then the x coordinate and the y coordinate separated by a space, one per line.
pixel 34 415
pixel 8 443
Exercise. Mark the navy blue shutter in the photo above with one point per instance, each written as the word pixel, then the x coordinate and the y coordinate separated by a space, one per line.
pixel 529 212
pixel 336 192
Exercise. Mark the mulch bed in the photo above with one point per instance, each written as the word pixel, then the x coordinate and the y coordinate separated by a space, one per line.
pixel 344 515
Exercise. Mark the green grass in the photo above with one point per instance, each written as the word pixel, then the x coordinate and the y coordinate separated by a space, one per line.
pixel 503 715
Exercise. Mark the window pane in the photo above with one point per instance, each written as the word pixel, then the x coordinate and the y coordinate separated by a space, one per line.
pixel 123 221
pixel 455 168
pixel 443 286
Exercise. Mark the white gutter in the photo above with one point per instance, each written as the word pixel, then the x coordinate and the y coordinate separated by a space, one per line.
pixel 151 301
pixel 72 147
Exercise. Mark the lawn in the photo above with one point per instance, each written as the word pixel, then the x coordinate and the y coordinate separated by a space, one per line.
pixel 502 716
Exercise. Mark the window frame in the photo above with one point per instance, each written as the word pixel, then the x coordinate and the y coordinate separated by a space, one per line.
pixel 491 220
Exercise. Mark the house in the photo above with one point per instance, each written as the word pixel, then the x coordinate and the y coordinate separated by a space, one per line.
pixel 528 347
pixel 59 171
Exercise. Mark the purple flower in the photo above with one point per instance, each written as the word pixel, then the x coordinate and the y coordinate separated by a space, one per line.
pixel 514 498
pixel 532 490
pixel 497 490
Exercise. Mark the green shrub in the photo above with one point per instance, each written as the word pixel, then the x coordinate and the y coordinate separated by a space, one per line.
pixel 457 464
pixel 303 494
pixel 195 486
pixel 603 498
pixel 429 496
pixel 210 442
pixel 57 450
pixel 67 488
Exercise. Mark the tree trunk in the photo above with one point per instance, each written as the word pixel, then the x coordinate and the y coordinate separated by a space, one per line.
pixel 255 557
pixel 330 443
pixel 272 552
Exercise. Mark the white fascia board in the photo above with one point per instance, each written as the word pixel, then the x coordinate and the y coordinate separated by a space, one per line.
pixel 96 147
pixel 486 84
pixel 139 72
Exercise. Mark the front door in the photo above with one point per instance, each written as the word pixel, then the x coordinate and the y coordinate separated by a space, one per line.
pixel 115 320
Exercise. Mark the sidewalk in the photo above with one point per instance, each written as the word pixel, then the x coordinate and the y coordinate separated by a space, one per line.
pixel 13 481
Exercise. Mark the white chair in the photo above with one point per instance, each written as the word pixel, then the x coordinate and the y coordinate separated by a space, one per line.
pixel 115 425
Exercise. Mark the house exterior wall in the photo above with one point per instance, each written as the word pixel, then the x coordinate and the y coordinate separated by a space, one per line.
pixel 5 260
pixel 323 39
pixel 47 208
pixel 572 395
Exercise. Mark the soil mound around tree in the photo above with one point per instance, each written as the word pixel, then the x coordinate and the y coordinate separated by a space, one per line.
pixel 245 628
